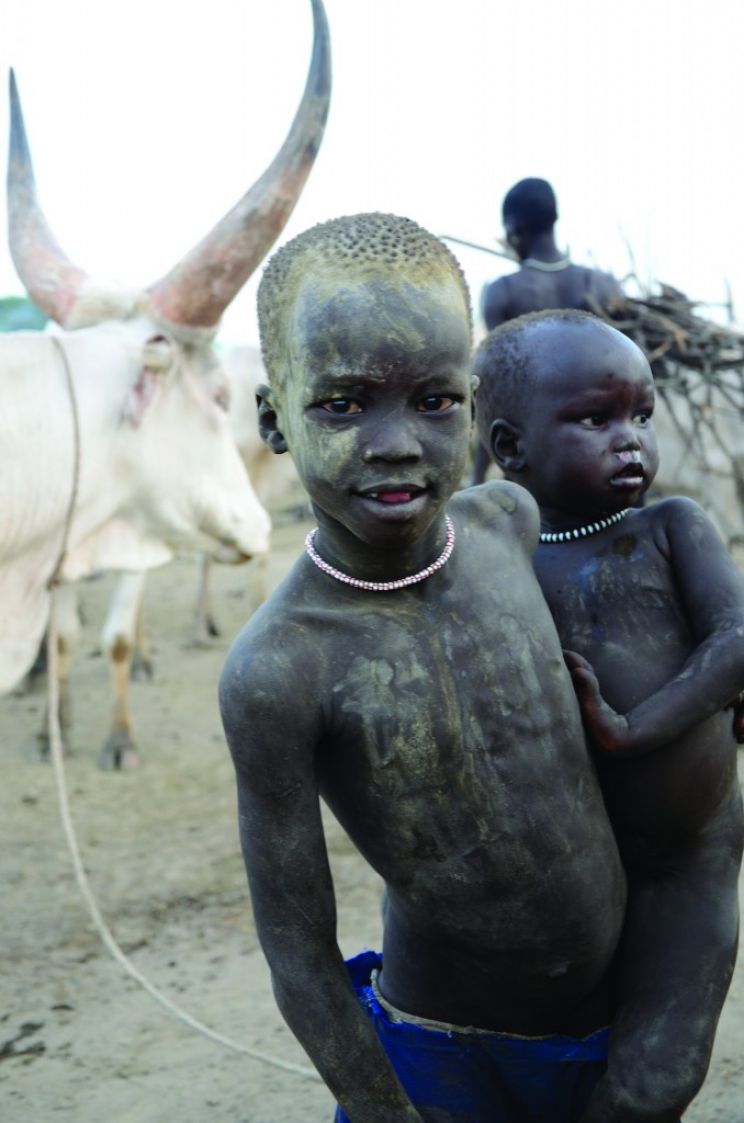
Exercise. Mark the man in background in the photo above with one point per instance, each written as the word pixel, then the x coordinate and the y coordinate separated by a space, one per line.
pixel 546 278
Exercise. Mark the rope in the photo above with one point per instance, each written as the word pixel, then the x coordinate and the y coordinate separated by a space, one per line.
pixel 55 742
pixel 75 465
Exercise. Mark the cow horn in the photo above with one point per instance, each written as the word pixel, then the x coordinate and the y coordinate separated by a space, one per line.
pixel 48 275
pixel 197 291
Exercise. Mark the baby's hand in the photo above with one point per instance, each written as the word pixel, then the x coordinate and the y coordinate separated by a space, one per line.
pixel 608 730
pixel 738 707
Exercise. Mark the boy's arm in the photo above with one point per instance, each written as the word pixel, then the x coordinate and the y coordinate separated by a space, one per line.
pixel 272 726
pixel 711 590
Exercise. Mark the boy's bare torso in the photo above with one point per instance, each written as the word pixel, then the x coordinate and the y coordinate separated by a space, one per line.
pixel 616 601
pixel 450 747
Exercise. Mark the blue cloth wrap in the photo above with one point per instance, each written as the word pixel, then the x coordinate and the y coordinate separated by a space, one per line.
pixel 481 1076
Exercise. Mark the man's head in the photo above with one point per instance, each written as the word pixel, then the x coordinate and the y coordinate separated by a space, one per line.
pixel 564 404
pixel 366 331
pixel 529 209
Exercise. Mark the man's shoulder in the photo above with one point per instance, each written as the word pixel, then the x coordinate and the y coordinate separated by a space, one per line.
pixel 496 301
pixel 602 285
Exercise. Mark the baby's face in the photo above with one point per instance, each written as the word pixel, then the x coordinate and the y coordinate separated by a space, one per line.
pixel 377 404
pixel 589 440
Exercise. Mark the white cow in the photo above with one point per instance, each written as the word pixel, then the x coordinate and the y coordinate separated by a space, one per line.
pixel 122 638
pixel 153 468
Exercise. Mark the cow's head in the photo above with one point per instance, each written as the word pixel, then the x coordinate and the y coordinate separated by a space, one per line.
pixel 188 483
pixel 177 397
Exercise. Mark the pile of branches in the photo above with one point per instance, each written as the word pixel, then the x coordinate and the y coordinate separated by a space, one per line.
pixel 678 341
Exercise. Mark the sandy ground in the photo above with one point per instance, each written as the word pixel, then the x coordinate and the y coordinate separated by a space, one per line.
pixel 78 1038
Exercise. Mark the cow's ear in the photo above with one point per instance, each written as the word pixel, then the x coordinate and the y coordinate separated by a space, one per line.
pixel 507 447
pixel 158 356
pixel 268 421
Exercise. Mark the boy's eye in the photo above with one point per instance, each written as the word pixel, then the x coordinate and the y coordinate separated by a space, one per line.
pixel 594 421
pixel 643 418
pixel 341 405
pixel 434 403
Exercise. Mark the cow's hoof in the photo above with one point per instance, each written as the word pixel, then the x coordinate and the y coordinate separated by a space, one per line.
pixel 119 754
pixel 201 641
pixel 39 749
pixel 41 752
pixel 142 670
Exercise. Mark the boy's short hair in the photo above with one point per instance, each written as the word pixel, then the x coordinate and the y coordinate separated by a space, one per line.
pixel 531 204
pixel 505 369
pixel 368 244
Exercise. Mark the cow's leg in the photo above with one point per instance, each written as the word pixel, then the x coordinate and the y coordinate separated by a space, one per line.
pixel 205 627
pixel 117 640
pixel 67 624
pixel 142 666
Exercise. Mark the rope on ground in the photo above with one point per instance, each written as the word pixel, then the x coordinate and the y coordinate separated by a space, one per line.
pixel 55 741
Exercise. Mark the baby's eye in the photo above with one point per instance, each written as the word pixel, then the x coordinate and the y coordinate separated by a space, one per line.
pixel 643 418
pixel 594 421
pixel 434 403
pixel 341 405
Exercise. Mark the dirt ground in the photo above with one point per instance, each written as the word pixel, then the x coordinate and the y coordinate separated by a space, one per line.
pixel 78 1038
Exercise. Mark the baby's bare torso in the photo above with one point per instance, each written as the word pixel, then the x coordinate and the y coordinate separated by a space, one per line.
pixel 453 754
pixel 616 602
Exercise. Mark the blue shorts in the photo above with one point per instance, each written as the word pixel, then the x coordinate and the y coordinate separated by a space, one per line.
pixel 463 1075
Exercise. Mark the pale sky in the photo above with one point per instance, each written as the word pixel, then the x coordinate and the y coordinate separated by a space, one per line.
pixel 148 119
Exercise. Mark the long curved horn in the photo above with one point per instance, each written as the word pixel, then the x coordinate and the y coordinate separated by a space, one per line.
pixel 199 288
pixel 48 275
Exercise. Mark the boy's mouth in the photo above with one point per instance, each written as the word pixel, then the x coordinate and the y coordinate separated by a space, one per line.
pixel 403 493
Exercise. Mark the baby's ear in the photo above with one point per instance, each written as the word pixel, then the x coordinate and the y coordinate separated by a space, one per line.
pixel 268 422
pixel 506 446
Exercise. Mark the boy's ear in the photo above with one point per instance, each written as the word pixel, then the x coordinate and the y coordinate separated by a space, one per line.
pixel 507 446
pixel 268 422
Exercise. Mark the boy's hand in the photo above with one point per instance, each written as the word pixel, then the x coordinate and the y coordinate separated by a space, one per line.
pixel 608 730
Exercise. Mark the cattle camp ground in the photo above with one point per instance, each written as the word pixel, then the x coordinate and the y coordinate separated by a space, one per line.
pixel 79 1039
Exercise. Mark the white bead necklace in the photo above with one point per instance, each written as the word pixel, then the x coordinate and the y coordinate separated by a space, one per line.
pixel 382 586
pixel 582 531
pixel 547 266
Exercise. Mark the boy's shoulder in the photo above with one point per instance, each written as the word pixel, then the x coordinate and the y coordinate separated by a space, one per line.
pixel 500 506
pixel 271 644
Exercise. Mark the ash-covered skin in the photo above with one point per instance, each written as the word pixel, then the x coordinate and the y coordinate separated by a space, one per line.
pixel 438 722
pixel 656 607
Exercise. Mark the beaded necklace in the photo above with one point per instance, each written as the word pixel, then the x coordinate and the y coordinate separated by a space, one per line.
pixel 547 266
pixel 582 531
pixel 381 586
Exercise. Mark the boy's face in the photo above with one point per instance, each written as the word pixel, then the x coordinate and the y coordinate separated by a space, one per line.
pixel 588 440
pixel 376 409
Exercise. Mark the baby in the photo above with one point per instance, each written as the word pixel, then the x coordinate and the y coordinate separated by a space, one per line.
pixel 650 609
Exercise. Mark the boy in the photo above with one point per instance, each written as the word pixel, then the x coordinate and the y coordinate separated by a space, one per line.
pixel 408 672
pixel 651 609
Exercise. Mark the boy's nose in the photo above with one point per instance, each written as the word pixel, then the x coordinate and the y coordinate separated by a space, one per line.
pixel 393 440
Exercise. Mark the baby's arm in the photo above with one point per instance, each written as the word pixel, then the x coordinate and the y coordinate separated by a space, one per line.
pixel 271 718
pixel 711 590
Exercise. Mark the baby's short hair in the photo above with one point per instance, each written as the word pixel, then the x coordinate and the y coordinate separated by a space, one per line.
pixel 504 365
pixel 366 244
